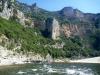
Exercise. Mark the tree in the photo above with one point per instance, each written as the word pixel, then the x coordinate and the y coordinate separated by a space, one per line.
pixel 96 43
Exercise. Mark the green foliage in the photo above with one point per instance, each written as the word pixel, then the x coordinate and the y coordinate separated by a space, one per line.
pixel 72 50
pixel 30 39
pixel 96 40
pixel 28 22
pixel 33 41
pixel 0 8
pixel 77 40
pixel 74 47
pixel 43 15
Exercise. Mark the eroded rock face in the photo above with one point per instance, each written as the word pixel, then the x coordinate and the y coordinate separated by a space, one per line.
pixel 7 11
pixel 3 40
pixel 81 30
pixel 70 30
pixel 70 12
pixel 53 27
pixel 67 11
pixel 21 17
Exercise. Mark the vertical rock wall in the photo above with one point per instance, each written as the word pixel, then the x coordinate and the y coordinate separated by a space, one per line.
pixel 6 11
pixel 55 29
pixel 52 26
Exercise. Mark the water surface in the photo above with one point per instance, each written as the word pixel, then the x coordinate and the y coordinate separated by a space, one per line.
pixel 51 69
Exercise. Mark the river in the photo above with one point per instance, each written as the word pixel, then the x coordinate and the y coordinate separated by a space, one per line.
pixel 51 69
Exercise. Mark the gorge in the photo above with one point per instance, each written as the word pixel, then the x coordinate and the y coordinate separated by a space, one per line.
pixel 67 33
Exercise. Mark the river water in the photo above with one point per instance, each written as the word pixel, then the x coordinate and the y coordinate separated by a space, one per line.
pixel 51 69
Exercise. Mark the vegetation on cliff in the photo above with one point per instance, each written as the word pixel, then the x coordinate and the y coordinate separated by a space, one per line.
pixel 32 41
pixel 84 40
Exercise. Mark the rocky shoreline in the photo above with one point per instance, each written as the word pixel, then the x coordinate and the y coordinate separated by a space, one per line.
pixel 8 57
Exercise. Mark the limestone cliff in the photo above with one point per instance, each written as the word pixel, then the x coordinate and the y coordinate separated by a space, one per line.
pixel 8 10
pixel 81 30
pixel 53 27
pixel 68 21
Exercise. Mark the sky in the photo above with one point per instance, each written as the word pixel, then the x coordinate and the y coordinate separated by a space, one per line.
pixel 87 6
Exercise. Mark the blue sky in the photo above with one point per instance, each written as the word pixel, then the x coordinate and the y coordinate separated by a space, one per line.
pixel 87 6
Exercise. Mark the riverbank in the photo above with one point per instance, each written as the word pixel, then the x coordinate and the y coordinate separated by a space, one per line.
pixel 87 60
pixel 8 57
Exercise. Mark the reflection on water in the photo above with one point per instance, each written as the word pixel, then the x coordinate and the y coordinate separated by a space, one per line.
pixel 52 69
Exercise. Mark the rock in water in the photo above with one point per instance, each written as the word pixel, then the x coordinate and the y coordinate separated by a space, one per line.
pixel 49 59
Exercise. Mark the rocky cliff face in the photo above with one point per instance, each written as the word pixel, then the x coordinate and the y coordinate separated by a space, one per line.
pixel 70 30
pixel 78 23
pixel 69 12
pixel 75 22
pixel 53 27
pixel 9 10
pixel 6 9
pixel 9 43
pixel 70 22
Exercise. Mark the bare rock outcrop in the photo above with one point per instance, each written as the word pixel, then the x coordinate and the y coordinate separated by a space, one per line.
pixel 8 10
pixel 53 27
pixel 70 30
pixel 81 30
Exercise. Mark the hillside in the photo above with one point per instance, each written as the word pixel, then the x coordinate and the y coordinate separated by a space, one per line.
pixel 67 33
pixel 30 39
